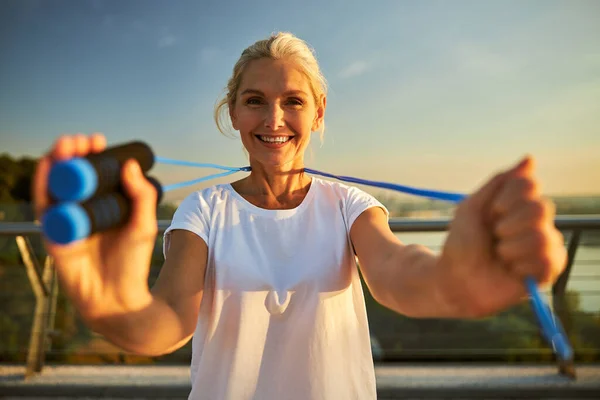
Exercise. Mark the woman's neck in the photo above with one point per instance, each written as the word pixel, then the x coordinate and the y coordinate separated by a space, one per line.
pixel 274 187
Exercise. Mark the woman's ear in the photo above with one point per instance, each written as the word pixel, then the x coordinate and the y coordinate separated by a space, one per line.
pixel 320 113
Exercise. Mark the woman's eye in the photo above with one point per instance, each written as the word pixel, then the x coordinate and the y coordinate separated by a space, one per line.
pixel 253 101
pixel 295 101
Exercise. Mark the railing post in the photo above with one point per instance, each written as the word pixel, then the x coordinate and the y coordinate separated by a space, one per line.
pixel 43 284
pixel 52 283
pixel 559 289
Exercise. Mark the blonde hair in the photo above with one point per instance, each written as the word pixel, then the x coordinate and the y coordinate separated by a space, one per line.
pixel 281 45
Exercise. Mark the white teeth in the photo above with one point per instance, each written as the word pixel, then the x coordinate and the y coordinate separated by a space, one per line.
pixel 274 139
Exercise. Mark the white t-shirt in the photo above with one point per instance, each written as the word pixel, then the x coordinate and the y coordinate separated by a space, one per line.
pixel 283 313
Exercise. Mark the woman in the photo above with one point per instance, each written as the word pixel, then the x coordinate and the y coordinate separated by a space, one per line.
pixel 262 271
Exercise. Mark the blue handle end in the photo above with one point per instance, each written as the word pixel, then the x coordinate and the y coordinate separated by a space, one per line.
pixel 550 324
pixel 66 223
pixel 562 347
pixel 73 180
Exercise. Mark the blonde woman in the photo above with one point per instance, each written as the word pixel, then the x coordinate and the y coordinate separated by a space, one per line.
pixel 262 272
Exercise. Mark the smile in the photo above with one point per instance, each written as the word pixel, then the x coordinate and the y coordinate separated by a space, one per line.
pixel 274 139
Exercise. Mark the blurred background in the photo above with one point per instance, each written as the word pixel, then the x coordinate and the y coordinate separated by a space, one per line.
pixel 432 94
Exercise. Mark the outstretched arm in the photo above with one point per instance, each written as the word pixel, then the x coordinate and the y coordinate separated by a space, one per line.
pixel 168 319
pixel 501 234
pixel 106 275
pixel 405 278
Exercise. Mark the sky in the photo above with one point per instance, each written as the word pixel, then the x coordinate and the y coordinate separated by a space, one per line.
pixel 432 94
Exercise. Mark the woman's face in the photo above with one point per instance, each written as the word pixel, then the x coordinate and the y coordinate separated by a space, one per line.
pixel 275 112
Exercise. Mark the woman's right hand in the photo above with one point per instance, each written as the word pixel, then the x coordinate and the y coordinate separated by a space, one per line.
pixel 105 274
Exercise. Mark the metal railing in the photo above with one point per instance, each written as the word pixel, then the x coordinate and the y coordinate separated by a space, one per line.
pixel 44 282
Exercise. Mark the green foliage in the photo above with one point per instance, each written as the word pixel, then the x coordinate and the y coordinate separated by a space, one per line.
pixel 165 211
pixel 15 179
pixel 9 331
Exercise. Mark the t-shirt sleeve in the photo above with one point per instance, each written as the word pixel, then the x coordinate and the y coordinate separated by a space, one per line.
pixel 191 215
pixel 358 201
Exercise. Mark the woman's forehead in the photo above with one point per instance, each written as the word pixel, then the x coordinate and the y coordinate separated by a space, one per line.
pixel 274 76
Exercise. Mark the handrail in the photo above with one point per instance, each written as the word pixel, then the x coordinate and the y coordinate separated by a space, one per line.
pixel 44 282
pixel 562 222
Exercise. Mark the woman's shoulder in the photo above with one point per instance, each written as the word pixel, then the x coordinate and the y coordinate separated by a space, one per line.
pixel 338 189
pixel 206 196
pixel 354 199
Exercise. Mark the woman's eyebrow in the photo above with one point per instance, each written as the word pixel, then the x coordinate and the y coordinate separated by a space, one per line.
pixel 295 92
pixel 252 91
pixel 260 93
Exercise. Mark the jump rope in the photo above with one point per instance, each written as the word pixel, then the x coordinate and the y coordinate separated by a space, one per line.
pixel 89 199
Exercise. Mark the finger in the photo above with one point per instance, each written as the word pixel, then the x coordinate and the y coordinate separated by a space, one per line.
pixel 63 148
pixel 481 198
pixel 487 192
pixel 531 244
pixel 143 197
pixel 545 271
pixel 526 166
pixel 535 253
pixel 39 187
pixel 515 191
pixel 524 215
pixel 81 145
pixel 97 142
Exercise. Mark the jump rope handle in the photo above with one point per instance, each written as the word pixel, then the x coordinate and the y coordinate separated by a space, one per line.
pixel 70 221
pixel 80 179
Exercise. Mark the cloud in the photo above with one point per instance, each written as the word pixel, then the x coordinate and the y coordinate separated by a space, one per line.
pixel 482 60
pixel 166 39
pixel 354 69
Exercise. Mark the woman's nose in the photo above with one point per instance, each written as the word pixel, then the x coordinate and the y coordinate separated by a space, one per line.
pixel 274 117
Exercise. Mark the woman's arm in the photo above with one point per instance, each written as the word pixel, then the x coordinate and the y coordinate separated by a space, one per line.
pixel 500 235
pixel 405 278
pixel 168 318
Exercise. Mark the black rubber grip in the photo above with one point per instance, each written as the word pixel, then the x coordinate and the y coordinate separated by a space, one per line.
pixel 112 210
pixel 108 164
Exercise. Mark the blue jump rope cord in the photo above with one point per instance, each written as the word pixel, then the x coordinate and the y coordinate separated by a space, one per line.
pixel 228 171
pixel 551 326
pixel 432 194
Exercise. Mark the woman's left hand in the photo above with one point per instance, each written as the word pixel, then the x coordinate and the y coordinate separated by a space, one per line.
pixel 500 235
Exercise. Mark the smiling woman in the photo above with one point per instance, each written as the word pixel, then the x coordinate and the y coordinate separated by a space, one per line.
pixel 276 99
pixel 263 272
pixel 282 46
pixel 274 109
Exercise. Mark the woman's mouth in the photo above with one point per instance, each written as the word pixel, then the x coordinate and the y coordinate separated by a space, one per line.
pixel 274 140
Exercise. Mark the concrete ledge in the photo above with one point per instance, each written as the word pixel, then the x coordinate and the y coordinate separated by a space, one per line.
pixel 440 381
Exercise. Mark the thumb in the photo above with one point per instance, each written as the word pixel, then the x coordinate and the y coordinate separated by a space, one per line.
pixel 143 196
pixel 524 167
pixel 482 197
